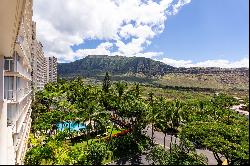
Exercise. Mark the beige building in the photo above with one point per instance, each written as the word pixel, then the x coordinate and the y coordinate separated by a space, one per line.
pixel 38 62
pixel 51 67
pixel 15 78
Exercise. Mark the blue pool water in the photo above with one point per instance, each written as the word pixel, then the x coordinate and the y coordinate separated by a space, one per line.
pixel 71 125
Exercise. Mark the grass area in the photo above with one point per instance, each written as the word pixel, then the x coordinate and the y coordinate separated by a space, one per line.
pixel 234 84
pixel 92 139
pixel 114 131
pixel 107 160
pixel 172 94
pixel 191 80
pixel 88 141
pixel 216 81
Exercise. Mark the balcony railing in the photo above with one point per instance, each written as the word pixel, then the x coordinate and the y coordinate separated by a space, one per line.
pixel 16 95
pixel 24 115
pixel 23 43
pixel 25 51
pixel 16 114
pixel 22 70
pixel 12 66
pixel 22 143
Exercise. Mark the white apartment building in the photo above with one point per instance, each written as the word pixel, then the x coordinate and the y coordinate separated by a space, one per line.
pixel 22 63
pixel 38 62
pixel 51 66
pixel 15 79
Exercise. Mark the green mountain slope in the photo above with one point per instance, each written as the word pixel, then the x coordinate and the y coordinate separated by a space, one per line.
pixel 96 65
pixel 145 70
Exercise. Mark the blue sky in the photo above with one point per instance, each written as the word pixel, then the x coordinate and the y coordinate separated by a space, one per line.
pixel 206 29
pixel 179 32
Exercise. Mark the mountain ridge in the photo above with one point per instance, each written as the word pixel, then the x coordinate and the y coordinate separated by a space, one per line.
pixel 93 65
pixel 97 64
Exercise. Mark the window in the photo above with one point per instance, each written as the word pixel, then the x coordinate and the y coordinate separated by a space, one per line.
pixel 8 64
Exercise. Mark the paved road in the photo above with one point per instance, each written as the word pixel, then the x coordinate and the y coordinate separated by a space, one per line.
pixel 159 139
pixel 237 109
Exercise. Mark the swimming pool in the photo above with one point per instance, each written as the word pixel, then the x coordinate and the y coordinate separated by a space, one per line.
pixel 72 126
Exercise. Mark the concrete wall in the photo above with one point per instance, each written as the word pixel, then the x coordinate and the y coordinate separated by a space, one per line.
pixel 3 118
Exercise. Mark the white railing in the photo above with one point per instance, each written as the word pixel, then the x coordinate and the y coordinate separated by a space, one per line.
pixel 16 95
pixel 23 71
pixel 23 43
pixel 10 95
pixel 23 112
pixel 22 128
pixel 13 66
pixel 15 114
pixel 20 146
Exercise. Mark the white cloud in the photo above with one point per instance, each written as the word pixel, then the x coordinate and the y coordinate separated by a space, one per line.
pixel 149 54
pixel 61 24
pixel 177 63
pixel 128 25
pixel 102 49
pixel 176 7
pixel 208 63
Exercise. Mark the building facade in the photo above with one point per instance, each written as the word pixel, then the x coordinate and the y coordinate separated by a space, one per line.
pixel 23 69
pixel 15 68
pixel 51 66
pixel 38 62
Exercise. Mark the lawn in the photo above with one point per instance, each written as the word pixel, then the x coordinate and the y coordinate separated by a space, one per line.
pixel 88 140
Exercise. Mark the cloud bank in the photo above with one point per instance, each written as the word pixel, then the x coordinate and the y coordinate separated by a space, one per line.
pixel 208 63
pixel 126 26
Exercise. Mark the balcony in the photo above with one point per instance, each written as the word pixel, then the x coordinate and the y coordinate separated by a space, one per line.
pixel 13 67
pixel 22 46
pixel 21 141
pixel 23 71
pixel 25 53
pixel 25 113
pixel 16 95
pixel 16 110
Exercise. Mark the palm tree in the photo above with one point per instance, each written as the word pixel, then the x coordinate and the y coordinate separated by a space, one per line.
pixel 106 83
pixel 164 117
pixel 137 90
pixel 120 88
pixel 176 113
pixel 176 117
pixel 153 114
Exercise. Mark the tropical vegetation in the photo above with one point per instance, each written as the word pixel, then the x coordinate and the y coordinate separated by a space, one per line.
pixel 115 115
